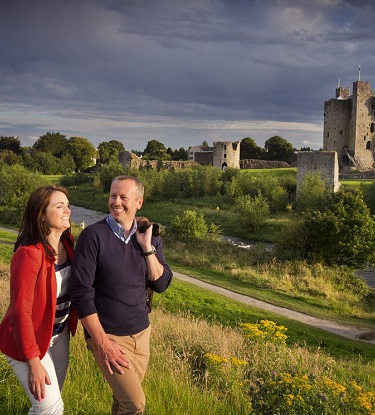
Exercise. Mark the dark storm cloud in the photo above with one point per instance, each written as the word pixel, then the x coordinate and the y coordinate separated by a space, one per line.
pixel 181 72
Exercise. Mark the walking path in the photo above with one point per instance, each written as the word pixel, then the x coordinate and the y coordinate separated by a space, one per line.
pixel 330 326
pixel 87 216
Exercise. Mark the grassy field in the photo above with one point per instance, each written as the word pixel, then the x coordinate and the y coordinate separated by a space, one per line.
pixel 202 360
pixel 199 363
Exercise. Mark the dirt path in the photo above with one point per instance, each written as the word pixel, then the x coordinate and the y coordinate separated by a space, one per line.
pixel 330 326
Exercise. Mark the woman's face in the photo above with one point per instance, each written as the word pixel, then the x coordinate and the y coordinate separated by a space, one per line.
pixel 57 215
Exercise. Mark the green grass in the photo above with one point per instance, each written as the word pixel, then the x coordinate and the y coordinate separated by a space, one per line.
pixel 52 178
pixel 6 236
pixel 183 297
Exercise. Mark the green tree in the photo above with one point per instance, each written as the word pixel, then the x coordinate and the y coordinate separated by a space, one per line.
pixel 155 150
pixel 16 184
pixel 54 143
pixel 279 149
pixel 66 164
pixel 42 162
pixel 343 232
pixel 249 149
pixel 180 154
pixel 9 157
pixel 10 143
pixel 109 150
pixel 83 153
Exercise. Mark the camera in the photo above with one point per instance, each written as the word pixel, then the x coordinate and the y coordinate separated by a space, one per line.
pixel 143 224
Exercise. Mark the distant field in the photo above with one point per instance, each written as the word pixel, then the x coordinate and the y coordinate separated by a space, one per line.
pixel 52 178
pixel 357 182
pixel 277 172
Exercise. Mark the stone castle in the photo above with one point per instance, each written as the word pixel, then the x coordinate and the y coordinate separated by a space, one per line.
pixel 349 127
pixel 223 154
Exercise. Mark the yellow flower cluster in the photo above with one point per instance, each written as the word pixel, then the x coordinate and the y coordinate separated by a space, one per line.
pixel 309 395
pixel 266 330
pixel 215 359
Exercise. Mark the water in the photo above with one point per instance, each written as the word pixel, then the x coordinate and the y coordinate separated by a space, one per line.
pixel 84 216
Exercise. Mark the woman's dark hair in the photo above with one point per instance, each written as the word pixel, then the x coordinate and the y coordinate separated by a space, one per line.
pixel 33 229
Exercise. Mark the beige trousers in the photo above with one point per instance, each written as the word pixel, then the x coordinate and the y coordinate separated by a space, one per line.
pixel 128 395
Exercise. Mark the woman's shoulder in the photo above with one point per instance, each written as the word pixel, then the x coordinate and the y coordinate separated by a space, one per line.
pixel 28 254
pixel 34 248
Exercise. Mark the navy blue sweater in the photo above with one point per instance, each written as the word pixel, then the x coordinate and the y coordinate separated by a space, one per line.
pixel 109 278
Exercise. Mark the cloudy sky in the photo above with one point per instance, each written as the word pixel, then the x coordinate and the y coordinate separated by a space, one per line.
pixel 177 71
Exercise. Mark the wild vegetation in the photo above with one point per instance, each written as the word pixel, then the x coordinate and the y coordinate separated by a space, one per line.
pixel 211 352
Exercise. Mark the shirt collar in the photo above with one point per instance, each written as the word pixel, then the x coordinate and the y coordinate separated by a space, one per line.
pixel 119 231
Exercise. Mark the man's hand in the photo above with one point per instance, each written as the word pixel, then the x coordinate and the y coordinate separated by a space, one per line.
pixel 144 238
pixel 114 357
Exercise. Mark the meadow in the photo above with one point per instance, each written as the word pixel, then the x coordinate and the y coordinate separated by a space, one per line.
pixel 199 365
pixel 212 355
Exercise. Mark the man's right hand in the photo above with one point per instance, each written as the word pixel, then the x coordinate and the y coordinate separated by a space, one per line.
pixel 114 357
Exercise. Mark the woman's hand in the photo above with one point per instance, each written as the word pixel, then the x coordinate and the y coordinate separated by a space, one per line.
pixel 38 378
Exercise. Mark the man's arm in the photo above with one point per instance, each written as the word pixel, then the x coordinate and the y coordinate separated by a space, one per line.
pixel 154 268
pixel 113 355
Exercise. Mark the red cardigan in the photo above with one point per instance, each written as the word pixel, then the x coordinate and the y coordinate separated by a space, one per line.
pixel 26 329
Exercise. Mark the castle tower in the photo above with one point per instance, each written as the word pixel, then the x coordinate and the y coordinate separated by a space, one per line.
pixel 349 126
pixel 226 154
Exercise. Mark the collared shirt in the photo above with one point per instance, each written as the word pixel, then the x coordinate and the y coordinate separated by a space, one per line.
pixel 119 231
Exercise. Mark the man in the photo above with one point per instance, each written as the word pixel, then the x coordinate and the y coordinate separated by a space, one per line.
pixel 112 268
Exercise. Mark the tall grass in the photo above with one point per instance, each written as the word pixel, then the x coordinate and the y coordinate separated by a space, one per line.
pixel 197 367
pixel 329 292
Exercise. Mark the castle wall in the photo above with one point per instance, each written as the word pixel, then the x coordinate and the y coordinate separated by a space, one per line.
pixel 337 115
pixel 324 162
pixel 349 126
pixel 226 154
pixel 362 121
pixel 129 159
pixel 205 158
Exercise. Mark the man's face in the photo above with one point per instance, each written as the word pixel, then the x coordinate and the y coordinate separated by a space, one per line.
pixel 124 201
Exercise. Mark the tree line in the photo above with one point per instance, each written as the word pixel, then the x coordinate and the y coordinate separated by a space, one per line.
pixel 54 153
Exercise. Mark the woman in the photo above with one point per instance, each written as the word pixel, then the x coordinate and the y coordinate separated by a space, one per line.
pixel 34 333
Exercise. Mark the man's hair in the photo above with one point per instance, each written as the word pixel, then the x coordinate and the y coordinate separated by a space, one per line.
pixel 137 182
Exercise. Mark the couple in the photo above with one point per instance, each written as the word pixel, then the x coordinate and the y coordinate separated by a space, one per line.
pixel 104 284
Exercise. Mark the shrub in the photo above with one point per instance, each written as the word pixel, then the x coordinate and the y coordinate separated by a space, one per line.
pixel 253 211
pixel 246 184
pixel 75 179
pixel 189 224
pixel 193 224
pixel 313 193
pixel 369 196
pixel 171 185
pixel 343 232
